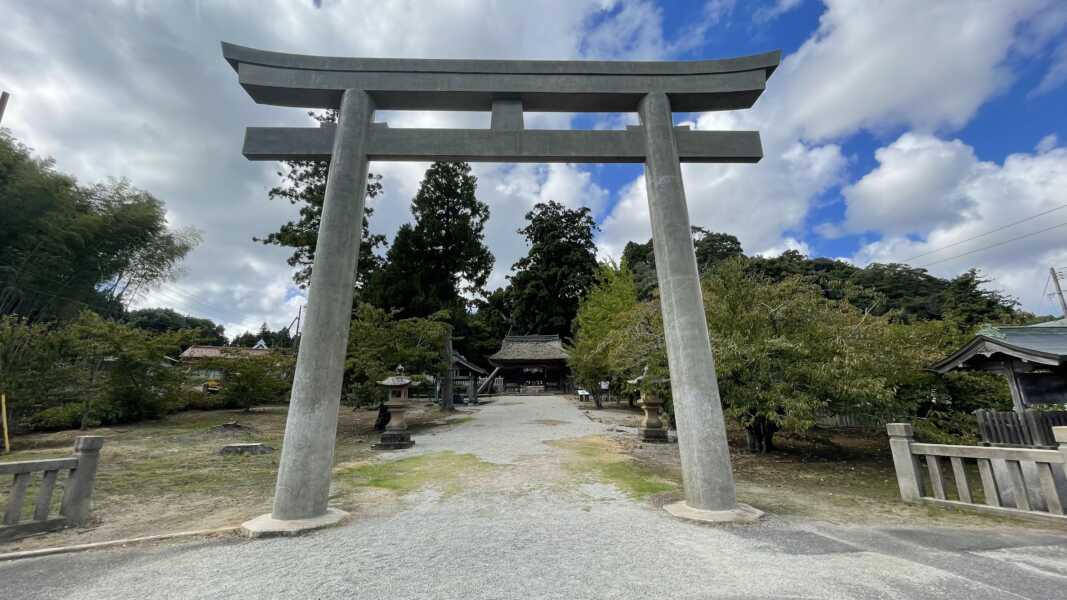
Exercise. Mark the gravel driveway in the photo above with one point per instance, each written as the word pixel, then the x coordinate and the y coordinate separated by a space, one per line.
pixel 530 537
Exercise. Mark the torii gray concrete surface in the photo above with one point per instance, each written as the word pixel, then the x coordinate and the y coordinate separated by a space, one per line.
pixel 286 79
pixel 307 451
pixel 566 542
pixel 709 482
pixel 506 88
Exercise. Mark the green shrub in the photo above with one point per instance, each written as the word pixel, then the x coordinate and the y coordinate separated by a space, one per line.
pixel 946 427
pixel 201 401
pixel 64 416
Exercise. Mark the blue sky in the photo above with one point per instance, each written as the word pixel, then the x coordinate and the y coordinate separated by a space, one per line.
pixel 891 129
pixel 1011 121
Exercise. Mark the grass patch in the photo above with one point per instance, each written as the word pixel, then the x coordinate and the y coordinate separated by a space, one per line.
pixel 636 480
pixel 443 470
pixel 604 460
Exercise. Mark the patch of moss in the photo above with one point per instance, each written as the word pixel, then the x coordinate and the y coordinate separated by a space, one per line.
pixel 602 459
pixel 443 470
pixel 636 480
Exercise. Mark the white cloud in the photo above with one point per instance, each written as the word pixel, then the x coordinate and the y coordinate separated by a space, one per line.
pixel 773 11
pixel 1047 143
pixel 789 243
pixel 914 189
pixel 757 203
pixel 1057 74
pixel 997 195
pixel 914 63
pixel 634 30
pixel 140 90
pixel 869 66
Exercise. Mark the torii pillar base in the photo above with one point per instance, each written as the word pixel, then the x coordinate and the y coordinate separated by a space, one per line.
pixel 743 514
pixel 265 526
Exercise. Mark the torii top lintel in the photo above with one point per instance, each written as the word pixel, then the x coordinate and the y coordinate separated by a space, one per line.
pixel 285 79
pixel 507 88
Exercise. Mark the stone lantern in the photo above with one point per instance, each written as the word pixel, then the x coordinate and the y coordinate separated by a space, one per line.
pixel 652 428
pixel 396 435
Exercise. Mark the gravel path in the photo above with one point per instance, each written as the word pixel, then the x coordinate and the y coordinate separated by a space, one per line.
pixel 550 541
pixel 511 430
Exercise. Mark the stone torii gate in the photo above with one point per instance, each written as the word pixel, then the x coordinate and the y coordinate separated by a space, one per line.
pixel 356 87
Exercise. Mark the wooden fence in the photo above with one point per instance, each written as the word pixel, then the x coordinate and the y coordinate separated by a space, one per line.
pixel 1024 482
pixel 866 422
pixel 1032 428
pixel 77 490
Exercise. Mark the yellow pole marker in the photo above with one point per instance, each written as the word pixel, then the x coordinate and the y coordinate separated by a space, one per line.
pixel 3 417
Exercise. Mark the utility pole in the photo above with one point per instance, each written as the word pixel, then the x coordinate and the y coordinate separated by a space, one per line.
pixel 1059 290
pixel 3 104
pixel 299 312
pixel 295 337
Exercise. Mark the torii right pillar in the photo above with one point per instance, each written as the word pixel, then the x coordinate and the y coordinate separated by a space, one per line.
pixel 706 471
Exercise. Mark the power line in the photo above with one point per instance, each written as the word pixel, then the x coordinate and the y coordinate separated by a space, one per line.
pixel 1002 228
pixel 1007 241
pixel 173 297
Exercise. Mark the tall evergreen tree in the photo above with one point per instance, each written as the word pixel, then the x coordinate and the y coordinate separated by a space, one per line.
pixel 442 255
pixel 304 184
pixel 489 324
pixel 557 272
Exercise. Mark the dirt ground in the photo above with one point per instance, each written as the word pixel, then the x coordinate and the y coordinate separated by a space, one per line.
pixel 167 476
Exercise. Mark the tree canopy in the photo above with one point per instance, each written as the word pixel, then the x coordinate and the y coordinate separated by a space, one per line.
pixel 304 185
pixel 161 320
pixel 609 302
pixel 558 270
pixel 281 338
pixel 65 247
pixel 787 353
pixel 442 255
pixel 909 293
pixel 378 342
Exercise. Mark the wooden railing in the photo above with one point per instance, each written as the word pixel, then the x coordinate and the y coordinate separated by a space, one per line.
pixel 1025 482
pixel 77 490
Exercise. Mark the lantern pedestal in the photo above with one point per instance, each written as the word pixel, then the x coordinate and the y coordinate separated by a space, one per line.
pixel 399 440
pixel 396 435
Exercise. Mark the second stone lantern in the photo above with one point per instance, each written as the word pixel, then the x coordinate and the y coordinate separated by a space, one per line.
pixel 396 435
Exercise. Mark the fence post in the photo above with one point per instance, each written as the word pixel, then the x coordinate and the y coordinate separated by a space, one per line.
pixel 1032 422
pixel 1060 435
pixel 79 489
pixel 906 464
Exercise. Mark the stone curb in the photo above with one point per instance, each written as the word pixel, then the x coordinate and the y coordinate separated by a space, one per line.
pixel 95 545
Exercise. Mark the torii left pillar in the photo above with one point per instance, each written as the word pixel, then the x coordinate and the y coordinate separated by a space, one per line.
pixel 311 427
